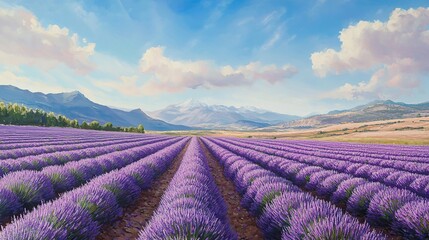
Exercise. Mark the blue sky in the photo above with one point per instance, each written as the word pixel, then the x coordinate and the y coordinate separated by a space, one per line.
pixel 284 56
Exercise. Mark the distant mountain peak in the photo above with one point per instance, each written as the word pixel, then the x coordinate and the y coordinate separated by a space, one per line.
pixel 137 110
pixel 76 106
pixel 198 114
pixel 73 94
pixel 192 103
pixel 69 97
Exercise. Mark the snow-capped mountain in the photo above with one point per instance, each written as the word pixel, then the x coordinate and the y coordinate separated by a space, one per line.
pixel 198 114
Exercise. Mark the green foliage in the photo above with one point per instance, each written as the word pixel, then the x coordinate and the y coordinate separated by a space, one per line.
pixel 14 114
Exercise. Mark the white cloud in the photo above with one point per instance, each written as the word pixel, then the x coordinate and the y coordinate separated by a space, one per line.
pixel 361 90
pixel 397 49
pixel 24 41
pixel 275 38
pixel 173 76
pixel 273 16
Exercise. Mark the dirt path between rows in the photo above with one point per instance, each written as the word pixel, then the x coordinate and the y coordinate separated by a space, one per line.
pixel 241 220
pixel 138 214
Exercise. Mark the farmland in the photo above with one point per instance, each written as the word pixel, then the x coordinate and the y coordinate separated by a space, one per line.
pixel 58 183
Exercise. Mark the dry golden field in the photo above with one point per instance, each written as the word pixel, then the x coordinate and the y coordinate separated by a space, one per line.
pixel 410 131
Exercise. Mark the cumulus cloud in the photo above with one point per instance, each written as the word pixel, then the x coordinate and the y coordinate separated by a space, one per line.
pixel 23 40
pixel 362 90
pixel 396 49
pixel 173 76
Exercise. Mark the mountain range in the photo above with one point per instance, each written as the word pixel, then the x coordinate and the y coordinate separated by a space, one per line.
pixel 197 114
pixel 75 105
pixel 373 111
pixel 193 114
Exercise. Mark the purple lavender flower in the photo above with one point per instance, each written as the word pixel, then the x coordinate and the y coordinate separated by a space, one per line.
pixel 382 174
pixel 307 215
pixel 187 224
pixel 94 166
pixel 68 216
pixel 277 213
pixel 267 193
pixel 5 167
pixel 365 171
pixel 351 169
pixel 32 229
pixel 191 207
pixel 62 180
pixel 9 204
pixel 359 200
pixel 412 220
pixel 29 186
pixel 406 179
pixel 237 164
pixel 384 204
pixel 246 179
pixel 81 173
pixel 183 203
pixel 98 202
pixel 345 190
pixel 393 177
pixel 252 190
pixel 330 184
pixel 303 176
pixel 339 226
pixel 141 174
pixel 419 185
pixel 318 177
pixel 214 202
pixel 121 185
pixel 292 169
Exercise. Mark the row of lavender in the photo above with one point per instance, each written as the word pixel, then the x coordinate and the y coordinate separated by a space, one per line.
pixel 19 134
pixel 26 189
pixel 283 210
pixel 80 213
pixel 383 196
pixel 355 152
pixel 192 206
pixel 60 141
pixel 357 148
pixel 400 174
pixel 38 162
pixel 16 153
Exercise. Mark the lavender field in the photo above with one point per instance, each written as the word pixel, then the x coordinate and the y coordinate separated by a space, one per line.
pixel 59 183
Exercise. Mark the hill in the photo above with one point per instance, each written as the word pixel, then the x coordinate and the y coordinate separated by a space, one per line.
pixel 75 105
pixel 373 111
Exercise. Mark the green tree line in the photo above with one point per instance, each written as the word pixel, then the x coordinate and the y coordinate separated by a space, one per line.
pixel 15 114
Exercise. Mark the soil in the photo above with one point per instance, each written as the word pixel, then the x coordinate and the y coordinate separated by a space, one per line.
pixel 138 214
pixel 241 221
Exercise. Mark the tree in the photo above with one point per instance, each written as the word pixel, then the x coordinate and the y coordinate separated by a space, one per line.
pixel 108 126
pixel 74 123
pixel 94 125
pixel 63 121
pixel 16 114
pixel 140 128
pixel 52 120
pixel 84 125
